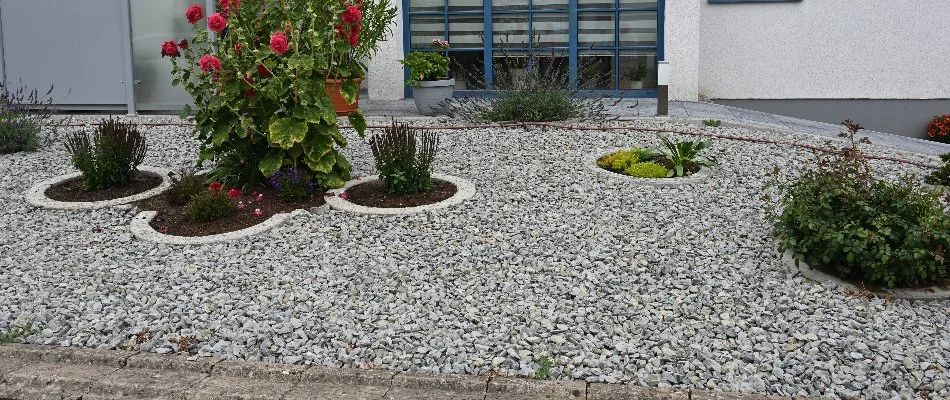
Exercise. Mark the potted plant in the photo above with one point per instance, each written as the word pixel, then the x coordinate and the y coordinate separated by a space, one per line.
pixel 258 86
pixel 364 24
pixel 427 77
pixel 632 77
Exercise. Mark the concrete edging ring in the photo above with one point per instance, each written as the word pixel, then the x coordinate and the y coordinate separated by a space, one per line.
pixel 36 195
pixel 464 190
pixel 590 161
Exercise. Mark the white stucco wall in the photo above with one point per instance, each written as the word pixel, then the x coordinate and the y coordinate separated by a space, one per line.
pixel 682 48
pixel 820 49
pixel 385 76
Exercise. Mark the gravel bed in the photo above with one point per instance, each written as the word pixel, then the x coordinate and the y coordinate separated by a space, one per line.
pixel 616 282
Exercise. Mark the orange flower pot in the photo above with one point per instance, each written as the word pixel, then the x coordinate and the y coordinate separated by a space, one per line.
pixel 339 103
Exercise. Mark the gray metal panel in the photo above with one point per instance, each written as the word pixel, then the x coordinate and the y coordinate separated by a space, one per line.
pixel 154 22
pixel 76 45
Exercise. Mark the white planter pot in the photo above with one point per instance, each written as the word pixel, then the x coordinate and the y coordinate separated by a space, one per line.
pixel 428 94
pixel 630 85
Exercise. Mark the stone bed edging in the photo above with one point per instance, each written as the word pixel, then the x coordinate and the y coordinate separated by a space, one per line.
pixel 36 195
pixel 143 231
pixel 590 161
pixel 928 294
pixel 464 190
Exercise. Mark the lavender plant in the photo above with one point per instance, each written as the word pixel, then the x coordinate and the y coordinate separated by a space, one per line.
pixel 23 113
pixel 291 185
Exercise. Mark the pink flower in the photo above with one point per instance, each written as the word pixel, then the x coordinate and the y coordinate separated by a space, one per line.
pixel 170 49
pixel 278 43
pixel 97 229
pixel 258 213
pixel 217 23
pixel 215 186
pixel 356 177
pixel 259 197
pixel 240 205
pixel 163 229
pixel 344 195
pixel 209 62
pixel 234 193
pixel 194 14
pixel 441 43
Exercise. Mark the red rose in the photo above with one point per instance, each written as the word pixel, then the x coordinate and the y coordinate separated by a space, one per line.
pixel 209 62
pixel 237 48
pixel 215 186
pixel 250 92
pixel 248 79
pixel 233 193
pixel 194 14
pixel 339 31
pixel 263 71
pixel 278 43
pixel 170 49
pixel 183 44
pixel 354 39
pixel 352 15
pixel 217 23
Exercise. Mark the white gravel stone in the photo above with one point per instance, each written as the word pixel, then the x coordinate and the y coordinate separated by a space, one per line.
pixel 676 286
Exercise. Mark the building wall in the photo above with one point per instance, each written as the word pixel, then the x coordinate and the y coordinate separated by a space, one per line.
pixel 682 48
pixel 823 49
pixel 385 76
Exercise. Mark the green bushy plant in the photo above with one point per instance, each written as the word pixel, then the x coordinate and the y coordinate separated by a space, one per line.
pixel 538 105
pixel 427 65
pixel 291 185
pixel 111 157
pixel 619 161
pixel 646 170
pixel 942 175
pixel 683 158
pixel 715 123
pixel 404 158
pixel 184 186
pixel 23 113
pixel 838 216
pixel 210 205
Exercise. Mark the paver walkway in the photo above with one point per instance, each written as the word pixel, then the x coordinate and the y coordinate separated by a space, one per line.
pixel 47 372
pixel 692 110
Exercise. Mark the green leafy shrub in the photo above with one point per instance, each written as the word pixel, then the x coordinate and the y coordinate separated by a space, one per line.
pixel 682 158
pixel 184 186
pixel 111 157
pixel 210 205
pixel 23 113
pixel 646 170
pixel 427 65
pixel 404 158
pixel 715 123
pixel 942 175
pixel 17 333
pixel 291 185
pixel 621 160
pixel 534 105
pixel 837 216
pixel 545 364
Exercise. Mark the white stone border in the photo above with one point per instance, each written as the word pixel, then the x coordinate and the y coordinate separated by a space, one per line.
pixel 36 195
pixel 932 293
pixel 143 231
pixel 591 162
pixel 464 190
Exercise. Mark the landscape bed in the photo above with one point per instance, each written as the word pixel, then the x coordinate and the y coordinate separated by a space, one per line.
pixel 616 282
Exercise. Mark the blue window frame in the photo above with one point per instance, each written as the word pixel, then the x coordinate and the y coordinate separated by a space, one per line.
pixel 606 44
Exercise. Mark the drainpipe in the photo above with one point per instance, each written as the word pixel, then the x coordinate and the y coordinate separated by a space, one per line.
pixel 129 80
pixel 662 88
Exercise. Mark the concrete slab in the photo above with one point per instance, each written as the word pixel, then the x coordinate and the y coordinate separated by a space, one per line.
pixel 66 380
pixel 601 391
pixel 457 383
pixel 57 354
pixel 135 383
pixel 155 361
pixel 325 391
pixel 258 370
pixel 239 388
pixel 347 376
pixel 505 388
pixel 429 394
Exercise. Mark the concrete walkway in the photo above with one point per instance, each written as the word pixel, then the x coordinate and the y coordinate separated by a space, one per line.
pixel 45 372
pixel 634 108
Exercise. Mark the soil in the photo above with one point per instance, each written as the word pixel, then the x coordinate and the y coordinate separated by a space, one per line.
pixel 174 220
pixel 73 191
pixel 375 194
pixel 871 287
pixel 689 169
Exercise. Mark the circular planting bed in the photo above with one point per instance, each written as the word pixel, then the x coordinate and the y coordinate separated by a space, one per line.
pixel 370 196
pixel 67 192
pixel 646 173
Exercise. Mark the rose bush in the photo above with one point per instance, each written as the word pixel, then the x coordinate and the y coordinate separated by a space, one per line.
pixel 259 83
pixel 939 129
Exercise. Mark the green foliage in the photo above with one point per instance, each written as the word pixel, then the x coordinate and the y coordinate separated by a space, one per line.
pixel 536 105
pixel 646 170
pixel 23 113
pixel 184 186
pixel 210 205
pixel 404 158
pixel 17 134
pixel 262 110
pixel 545 364
pixel 111 157
pixel 941 176
pixel 427 65
pixel 635 73
pixel 621 160
pixel 17 333
pixel 291 185
pixel 715 123
pixel 838 216
pixel 684 156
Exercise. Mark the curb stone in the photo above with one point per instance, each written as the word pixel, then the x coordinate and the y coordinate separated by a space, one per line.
pixel 142 230
pixel 465 190
pixel 36 195
pixel 44 372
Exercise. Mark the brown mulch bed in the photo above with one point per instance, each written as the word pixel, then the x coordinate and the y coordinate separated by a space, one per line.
pixel 174 220
pixel 375 194
pixel 73 191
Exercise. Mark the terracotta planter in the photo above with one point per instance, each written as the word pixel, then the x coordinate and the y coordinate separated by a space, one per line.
pixel 339 103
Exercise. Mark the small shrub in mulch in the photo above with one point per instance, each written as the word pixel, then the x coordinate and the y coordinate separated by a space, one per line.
pixel 674 159
pixel 241 210
pixel 377 194
pixel 74 190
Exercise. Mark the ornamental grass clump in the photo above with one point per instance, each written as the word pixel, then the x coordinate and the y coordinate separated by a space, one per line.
pixel 839 218
pixel 110 158
pixel 404 158
pixel 260 83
